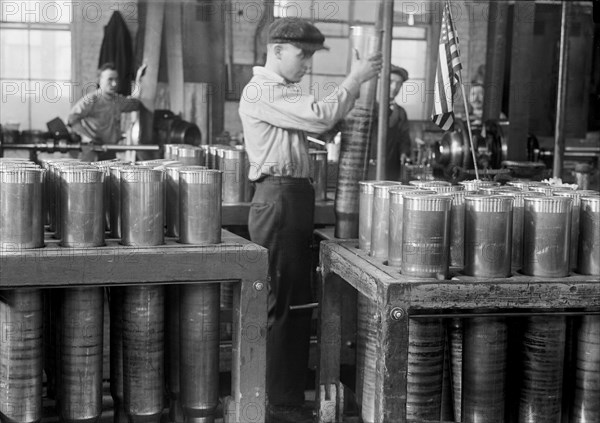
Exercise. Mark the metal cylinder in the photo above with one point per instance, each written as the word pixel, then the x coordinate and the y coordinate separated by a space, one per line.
pixel 172 353
pixel 21 221
pixel 488 236
pixel 82 207
pixel 49 191
pixel 318 173
pixel 171 151
pixel 425 370
pixel 588 257
pixel 232 164
pixel 455 343
pixel 21 349
pixel 477 184
pixel 396 213
pixel 105 165
pixel 542 187
pixel 485 346
pixel 199 351
pixel 56 169
pixel 142 206
pixel 542 357
pixel 172 199
pixel 586 401
pixel 457 220
pixel 200 206
pixel 573 248
pixel 546 236
pixel 143 352
pixel 381 219
pixel 190 155
pixel 81 334
pixel 430 184
pixel 365 214
pixel 522 184
pixel 366 355
pixel 115 198
pixel 426 235
pixel 116 353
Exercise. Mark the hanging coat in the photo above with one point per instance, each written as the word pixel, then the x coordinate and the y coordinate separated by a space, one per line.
pixel 117 48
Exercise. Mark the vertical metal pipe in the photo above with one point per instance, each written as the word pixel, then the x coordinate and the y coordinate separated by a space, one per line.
pixel 199 351
pixel 384 87
pixel 81 334
pixel 561 98
pixel 21 313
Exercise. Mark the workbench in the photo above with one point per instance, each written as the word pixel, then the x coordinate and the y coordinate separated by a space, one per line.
pixel 400 299
pixel 234 260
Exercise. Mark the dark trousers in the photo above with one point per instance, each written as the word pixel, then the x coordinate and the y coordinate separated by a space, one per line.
pixel 281 219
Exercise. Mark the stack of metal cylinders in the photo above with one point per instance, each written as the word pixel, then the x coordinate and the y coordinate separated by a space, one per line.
pixel 318 173
pixel 396 221
pixel 426 235
pixel 171 151
pixel 21 310
pixel 380 219
pixel 477 184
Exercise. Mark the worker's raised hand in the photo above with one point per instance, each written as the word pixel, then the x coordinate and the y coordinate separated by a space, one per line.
pixel 140 73
pixel 367 68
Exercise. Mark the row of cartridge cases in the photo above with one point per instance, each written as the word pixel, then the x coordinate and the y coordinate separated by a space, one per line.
pixel 486 230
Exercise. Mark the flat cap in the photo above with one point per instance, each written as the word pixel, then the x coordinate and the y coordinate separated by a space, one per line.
pixel 298 32
pixel 403 73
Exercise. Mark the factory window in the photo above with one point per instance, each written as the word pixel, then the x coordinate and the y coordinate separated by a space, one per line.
pixel 35 62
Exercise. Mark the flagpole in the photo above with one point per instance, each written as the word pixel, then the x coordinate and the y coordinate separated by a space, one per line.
pixel 462 87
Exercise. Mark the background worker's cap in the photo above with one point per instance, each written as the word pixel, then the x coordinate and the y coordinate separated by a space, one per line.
pixel 298 32
pixel 403 73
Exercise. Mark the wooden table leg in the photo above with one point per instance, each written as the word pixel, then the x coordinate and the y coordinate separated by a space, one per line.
pixel 249 350
pixel 330 390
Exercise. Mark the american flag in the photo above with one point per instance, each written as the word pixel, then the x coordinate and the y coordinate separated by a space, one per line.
pixel 447 73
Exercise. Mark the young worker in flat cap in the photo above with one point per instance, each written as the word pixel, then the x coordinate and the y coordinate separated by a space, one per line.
pixel 276 114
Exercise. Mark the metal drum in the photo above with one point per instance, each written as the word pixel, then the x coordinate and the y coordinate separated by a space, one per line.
pixel 142 206
pixel 56 169
pixel 588 262
pixel 114 181
pixel 318 173
pixel 21 350
pixel 484 364
pixel 82 207
pixel 381 219
pixel 190 155
pixel 488 236
pixel 21 222
pixel 232 164
pixel 200 206
pixel 542 187
pixel 396 213
pixel 105 165
pixel 199 351
pixel 171 151
pixel 586 401
pixel 426 235
pixel 365 214
pixel 542 358
pixel 546 235
pixel 81 335
pixel 172 198
pixel 576 196
pixel 429 184
pixel 49 191
pixel 522 184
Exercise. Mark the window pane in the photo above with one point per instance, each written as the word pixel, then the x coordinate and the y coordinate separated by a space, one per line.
pixel 411 55
pixel 50 54
pixel 14 107
pixel 13 52
pixel 39 11
pixel 409 32
pixel 51 100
